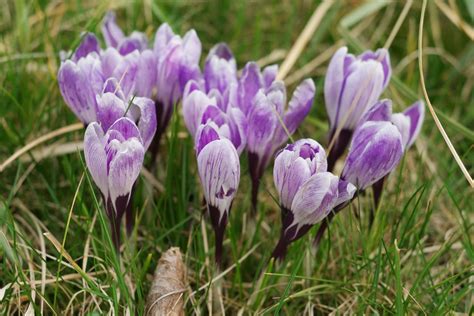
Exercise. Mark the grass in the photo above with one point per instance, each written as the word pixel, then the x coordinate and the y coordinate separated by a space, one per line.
pixel 56 256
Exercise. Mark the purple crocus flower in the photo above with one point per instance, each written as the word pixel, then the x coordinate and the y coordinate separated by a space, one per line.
pixel 307 191
pixel 269 124
pixel 408 123
pixel 80 79
pixel 352 85
pixel 177 63
pixel 219 171
pixel 114 159
pixel 200 108
pixel 114 36
pixel 375 151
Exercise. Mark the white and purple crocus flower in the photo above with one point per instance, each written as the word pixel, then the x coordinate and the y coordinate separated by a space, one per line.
pixel 270 124
pixel 352 85
pixel 219 171
pixel 408 122
pixel 114 158
pixel 307 191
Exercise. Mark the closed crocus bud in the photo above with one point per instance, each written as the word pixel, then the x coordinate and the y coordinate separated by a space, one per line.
pixel 307 191
pixel 375 151
pixel 265 132
pixel 79 82
pixel 352 85
pixel 114 36
pixel 219 171
pixel 114 160
pixel 220 70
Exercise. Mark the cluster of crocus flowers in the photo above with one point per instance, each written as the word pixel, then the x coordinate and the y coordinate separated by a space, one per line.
pixel 159 72
pixel 125 95
pixel 352 89
pixel 251 110
pixel 377 140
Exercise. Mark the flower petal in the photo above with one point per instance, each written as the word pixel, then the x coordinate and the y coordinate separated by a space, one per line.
pixel 249 84
pixel 269 75
pixel 334 81
pixel 192 47
pixel 109 109
pixel 402 122
pixel 299 107
pixel 345 192
pixel 289 173
pixel 126 128
pixel 262 122
pixel 194 105
pixel 380 111
pixel 146 74
pixel 96 157
pixel 112 33
pixel 315 199
pixel 362 89
pixel 416 113
pixel 147 120
pixel 124 170
pixel 163 35
pixel 78 86
pixel 88 45
pixel 206 134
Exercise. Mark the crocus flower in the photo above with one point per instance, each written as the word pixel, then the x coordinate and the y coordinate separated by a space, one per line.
pixel 307 191
pixel 200 108
pixel 79 82
pixel 269 124
pixel 114 36
pixel 114 159
pixel 408 123
pixel 219 171
pixel 375 151
pixel 177 63
pixel 352 85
